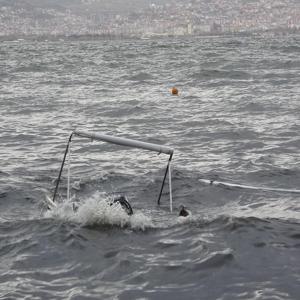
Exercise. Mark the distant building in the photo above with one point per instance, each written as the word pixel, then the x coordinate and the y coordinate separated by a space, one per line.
pixel 190 29
pixel 215 28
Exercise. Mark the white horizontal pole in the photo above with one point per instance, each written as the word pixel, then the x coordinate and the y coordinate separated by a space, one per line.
pixel 248 187
pixel 125 142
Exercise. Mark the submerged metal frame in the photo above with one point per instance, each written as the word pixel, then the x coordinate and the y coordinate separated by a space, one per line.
pixel 123 142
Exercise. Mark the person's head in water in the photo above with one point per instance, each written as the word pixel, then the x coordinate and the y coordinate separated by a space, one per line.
pixel 182 211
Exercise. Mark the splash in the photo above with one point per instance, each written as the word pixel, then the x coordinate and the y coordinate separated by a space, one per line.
pixel 98 210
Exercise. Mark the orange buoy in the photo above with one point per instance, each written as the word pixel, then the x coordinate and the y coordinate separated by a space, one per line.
pixel 174 91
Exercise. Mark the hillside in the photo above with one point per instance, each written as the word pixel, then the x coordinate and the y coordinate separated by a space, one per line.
pixel 150 17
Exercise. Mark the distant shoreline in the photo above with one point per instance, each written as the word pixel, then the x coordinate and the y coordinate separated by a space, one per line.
pixel 89 37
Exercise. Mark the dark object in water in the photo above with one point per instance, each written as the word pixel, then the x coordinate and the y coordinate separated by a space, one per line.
pixel 124 204
pixel 75 207
pixel 183 212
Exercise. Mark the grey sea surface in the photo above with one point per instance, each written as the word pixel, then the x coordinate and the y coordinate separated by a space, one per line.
pixel 236 119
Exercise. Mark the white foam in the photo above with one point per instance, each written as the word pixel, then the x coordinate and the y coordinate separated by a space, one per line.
pixel 97 210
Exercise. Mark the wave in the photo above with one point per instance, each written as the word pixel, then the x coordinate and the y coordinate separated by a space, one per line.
pixel 142 76
pixel 287 49
pixel 40 68
pixel 219 74
pixel 215 260
pixel 97 211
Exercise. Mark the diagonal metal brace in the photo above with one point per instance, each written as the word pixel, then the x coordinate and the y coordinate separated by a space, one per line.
pixel 165 176
pixel 62 166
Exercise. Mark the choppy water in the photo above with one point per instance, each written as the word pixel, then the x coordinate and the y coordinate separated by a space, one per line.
pixel 236 119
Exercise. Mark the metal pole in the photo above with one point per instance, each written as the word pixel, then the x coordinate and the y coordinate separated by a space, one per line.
pixel 163 182
pixel 125 142
pixel 170 188
pixel 248 187
pixel 61 168
pixel 69 171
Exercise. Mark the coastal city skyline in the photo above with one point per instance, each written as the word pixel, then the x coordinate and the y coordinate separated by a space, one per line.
pixel 146 18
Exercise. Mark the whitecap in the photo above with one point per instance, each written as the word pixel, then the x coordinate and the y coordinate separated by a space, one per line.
pixel 99 210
